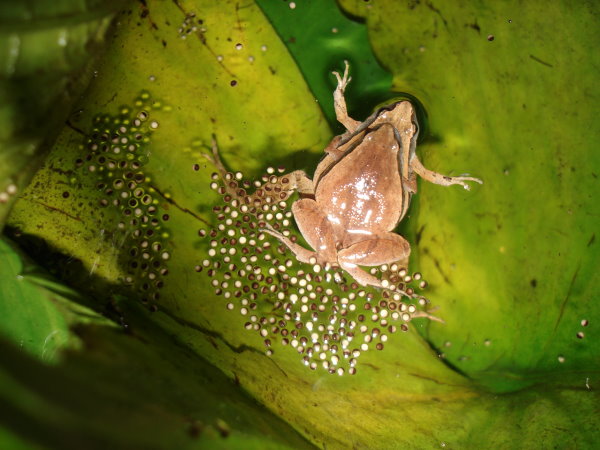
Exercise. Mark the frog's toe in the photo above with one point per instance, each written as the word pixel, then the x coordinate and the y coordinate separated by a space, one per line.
pixel 462 182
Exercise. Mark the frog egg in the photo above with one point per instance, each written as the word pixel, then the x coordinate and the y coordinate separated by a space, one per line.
pixel 296 305
pixel 115 153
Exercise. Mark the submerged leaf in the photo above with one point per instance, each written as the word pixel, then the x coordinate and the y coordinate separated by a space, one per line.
pixel 320 37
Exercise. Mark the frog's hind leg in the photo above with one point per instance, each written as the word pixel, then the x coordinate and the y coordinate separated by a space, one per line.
pixel 436 178
pixel 316 229
pixel 363 278
pixel 341 112
pixel 302 254
pixel 215 158
pixel 381 248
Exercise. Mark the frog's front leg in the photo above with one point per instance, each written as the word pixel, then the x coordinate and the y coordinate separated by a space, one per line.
pixel 377 249
pixel 215 157
pixel 341 112
pixel 292 181
pixel 443 180
pixel 315 228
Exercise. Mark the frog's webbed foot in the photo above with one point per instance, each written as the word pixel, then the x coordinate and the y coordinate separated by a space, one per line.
pixel 362 277
pixel 300 182
pixel 339 101
pixel 437 178
pixel 288 183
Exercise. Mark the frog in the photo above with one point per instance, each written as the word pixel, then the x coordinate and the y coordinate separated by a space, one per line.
pixel 361 190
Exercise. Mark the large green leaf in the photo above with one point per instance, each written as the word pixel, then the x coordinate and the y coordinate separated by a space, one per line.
pixel 514 263
pixel 137 389
pixel 45 53
pixel 36 310
pixel 196 68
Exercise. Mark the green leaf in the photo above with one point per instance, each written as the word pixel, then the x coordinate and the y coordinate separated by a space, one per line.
pixel 46 49
pixel 489 376
pixel 36 310
pixel 130 390
pixel 513 262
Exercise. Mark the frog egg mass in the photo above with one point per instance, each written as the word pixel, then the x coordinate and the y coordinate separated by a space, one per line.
pixel 126 205
pixel 318 311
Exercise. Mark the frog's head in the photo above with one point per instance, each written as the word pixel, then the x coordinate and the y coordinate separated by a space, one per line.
pixel 401 115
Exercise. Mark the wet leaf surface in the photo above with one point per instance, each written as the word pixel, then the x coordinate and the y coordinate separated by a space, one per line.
pixel 46 49
pixel 511 263
pixel 37 310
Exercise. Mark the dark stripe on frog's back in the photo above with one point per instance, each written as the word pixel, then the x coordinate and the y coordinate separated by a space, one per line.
pixel 383 167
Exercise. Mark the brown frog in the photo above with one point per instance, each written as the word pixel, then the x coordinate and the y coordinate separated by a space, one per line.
pixel 362 190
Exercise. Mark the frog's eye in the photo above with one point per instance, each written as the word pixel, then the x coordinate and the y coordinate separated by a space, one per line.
pixel 390 104
pixel 420 111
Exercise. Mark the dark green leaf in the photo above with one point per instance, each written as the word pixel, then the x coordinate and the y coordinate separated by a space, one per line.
pixel 136 390
pixel 45 53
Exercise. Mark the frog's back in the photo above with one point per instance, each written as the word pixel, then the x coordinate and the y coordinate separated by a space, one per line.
pixel 363 191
